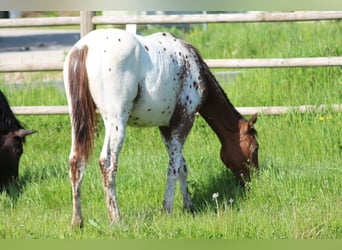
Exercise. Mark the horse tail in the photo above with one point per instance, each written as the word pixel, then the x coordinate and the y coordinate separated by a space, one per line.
pixel 83 115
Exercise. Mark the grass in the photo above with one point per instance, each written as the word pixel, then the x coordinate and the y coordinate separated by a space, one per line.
pixel 296 195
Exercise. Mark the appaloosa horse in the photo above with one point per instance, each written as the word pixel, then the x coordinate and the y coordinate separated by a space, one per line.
pixel 158 80
pixel 12 137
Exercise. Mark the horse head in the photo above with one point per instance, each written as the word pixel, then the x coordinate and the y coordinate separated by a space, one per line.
pixel 241 154
pixel 11 149
pixel 12 137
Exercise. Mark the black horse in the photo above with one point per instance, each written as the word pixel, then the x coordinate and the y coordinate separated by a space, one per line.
pixel 12 137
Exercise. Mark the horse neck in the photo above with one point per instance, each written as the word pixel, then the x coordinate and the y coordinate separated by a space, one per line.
pixel 219 113
pixel 8 122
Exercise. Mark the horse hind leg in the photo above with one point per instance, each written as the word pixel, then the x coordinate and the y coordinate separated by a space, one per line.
pixel 108 166
pixel 76 171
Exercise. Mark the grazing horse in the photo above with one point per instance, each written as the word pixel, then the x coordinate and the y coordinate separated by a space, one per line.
pixel 158 80
pixel 12 137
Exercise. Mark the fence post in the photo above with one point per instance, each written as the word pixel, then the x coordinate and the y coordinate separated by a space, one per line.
pixel 86 22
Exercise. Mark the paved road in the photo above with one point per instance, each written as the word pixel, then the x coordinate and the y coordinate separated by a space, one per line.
pixel 23 40
pixel 18 46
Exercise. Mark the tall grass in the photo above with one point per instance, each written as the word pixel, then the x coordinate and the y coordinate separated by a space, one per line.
pixel 296 194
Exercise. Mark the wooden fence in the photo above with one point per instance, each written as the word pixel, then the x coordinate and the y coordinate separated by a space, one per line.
pixel 88 21
pixel 270 110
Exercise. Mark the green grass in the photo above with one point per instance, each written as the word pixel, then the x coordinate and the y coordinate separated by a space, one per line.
pixel 297 194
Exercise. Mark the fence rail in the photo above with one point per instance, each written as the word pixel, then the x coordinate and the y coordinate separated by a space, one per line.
pixel 88 21
pixel 212 63
pixel 172 19
pixel 220 18
pixel 269 110
pixel 39 21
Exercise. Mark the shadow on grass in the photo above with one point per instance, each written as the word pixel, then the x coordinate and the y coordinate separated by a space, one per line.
pixel 12 190
pixel 223 183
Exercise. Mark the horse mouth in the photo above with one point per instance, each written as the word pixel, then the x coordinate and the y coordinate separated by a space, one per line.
pixel 249 164
pixel 15 179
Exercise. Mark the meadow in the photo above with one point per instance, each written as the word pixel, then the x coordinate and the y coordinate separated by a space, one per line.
pixel 297 193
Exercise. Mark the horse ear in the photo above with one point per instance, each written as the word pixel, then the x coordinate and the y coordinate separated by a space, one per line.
pixel 253 120
pixel 22 133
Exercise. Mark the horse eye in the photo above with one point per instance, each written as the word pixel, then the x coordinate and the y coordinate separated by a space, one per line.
pixel 17 147
pixel 255 148
pixel 17 150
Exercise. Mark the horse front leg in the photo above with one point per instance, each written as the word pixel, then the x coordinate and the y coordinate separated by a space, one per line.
pixel 176 170
pixel 172 177
pixel 183 175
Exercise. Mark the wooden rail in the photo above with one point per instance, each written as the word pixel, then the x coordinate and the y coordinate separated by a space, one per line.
pixel 269 110
pixel 275 62
pixel 221 18
pixel 212 63
pixel 39 21
pixel 170 19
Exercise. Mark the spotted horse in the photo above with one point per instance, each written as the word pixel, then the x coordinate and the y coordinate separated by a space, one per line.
pixel 157 80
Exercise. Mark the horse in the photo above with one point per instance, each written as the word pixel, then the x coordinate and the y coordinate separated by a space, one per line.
pixel 12 138
pixel 158 80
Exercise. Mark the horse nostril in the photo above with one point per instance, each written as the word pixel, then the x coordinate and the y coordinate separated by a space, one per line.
pixel 15 179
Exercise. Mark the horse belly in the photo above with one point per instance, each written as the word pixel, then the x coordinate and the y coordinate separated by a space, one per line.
pixel 154 106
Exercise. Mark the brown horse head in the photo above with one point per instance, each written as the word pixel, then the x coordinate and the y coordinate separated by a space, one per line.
pixel 241 153
pixel 12 137
pixel 11 149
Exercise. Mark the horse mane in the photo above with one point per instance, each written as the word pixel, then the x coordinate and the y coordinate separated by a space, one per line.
pixel 8 122
pixel 213 83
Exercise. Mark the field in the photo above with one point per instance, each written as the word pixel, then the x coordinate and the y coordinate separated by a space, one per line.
pixel 296 195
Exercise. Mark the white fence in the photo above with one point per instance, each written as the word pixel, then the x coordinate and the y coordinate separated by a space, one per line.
pixel 88 22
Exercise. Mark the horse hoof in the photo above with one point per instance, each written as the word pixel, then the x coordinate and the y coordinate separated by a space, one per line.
pixel 190 209
pixel 77 223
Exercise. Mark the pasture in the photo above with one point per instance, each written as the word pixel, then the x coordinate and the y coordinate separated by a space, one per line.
pixel 296 195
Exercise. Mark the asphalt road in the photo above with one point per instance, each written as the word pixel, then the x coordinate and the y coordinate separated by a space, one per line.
pixel 23 40
pixel 21 46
